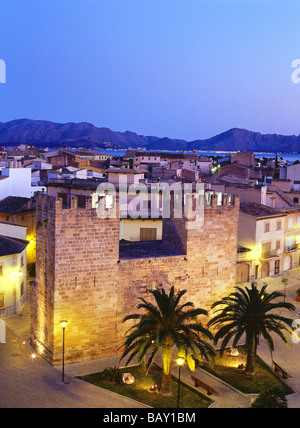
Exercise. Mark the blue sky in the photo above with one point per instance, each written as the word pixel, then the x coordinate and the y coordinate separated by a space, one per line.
pixel 179 68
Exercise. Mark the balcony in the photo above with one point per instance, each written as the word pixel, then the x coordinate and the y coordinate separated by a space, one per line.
pixel 269 255
pixel 291 248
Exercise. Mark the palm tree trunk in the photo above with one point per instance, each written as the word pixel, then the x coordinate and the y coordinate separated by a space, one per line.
pixel 250 365
pixel 166 384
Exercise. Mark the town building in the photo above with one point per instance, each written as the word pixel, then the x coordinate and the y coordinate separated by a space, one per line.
pixel 13 270
pixel 291 238
pixel 21 212
pixel 292 173
pixel 261 242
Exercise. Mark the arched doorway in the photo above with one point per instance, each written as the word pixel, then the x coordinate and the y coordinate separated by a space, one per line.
pixel 287 263
pixel 242 273
pixel 265 270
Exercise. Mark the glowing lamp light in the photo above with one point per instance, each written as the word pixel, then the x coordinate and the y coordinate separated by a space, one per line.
pixel 33 356
pixel 153 388
pixel 256 254
pixel 180 361
pixel 63 324
pixel 19 274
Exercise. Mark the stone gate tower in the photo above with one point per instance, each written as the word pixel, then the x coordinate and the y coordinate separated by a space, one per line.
pixel 84 277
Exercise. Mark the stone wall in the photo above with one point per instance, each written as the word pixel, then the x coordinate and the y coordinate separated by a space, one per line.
pixel 81 279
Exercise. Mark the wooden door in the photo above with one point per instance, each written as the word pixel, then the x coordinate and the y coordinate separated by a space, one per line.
pixel 243 271
pixel 148 234
pixel 265 270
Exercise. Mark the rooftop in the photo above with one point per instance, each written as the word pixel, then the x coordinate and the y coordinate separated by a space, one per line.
pixel 145 249
pixel 76 183
pixel 15 205
pixel 260 211
pixel 125 170
pixel 10 246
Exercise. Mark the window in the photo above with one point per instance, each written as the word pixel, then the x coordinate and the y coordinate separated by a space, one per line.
pixel 7 218
pixel 22 261
pixel 266 249
pixel 267 227
pixel 1 300
pixel 277 267
pixel 298 221
pixel 1 270
pixel 290 222
pixel 81 201
pixel 296 200
pixel 278 245
pixel 279 225
pixel 22 289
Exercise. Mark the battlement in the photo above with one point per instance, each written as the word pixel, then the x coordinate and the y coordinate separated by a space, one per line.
pixel 108 205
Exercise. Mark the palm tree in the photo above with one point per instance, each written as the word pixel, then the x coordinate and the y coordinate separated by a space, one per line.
pixel 250 312
pixel 161 327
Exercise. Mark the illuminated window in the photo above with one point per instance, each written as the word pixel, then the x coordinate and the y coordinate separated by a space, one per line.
pixel 290 222
pixel 152 286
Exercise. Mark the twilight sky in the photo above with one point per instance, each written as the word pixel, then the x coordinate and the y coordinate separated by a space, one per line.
pixel 179 68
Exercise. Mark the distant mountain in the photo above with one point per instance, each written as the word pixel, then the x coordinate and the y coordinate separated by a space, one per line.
pixel 49 134
pixel 239 139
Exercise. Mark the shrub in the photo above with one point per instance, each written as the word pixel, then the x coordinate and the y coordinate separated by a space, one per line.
pixel 112 374
pixel 271 399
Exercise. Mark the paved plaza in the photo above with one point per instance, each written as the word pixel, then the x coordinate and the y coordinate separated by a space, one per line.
pixel 28 382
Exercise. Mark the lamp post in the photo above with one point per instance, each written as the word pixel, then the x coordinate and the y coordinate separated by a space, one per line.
pixel 63 325
pixel 180 362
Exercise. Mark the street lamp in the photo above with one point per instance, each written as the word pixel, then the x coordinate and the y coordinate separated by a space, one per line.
pixel 180 362
pixel 63 325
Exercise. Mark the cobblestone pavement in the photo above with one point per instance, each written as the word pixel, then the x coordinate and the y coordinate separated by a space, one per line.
pixel 33 383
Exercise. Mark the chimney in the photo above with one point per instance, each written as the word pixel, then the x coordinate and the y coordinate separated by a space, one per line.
pixel 273 202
